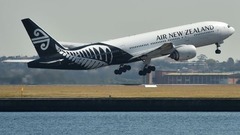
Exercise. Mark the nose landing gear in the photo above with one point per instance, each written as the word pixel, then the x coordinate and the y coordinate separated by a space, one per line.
pixel 217 51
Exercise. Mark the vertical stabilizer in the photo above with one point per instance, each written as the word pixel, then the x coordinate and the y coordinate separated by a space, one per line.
pixel 44 44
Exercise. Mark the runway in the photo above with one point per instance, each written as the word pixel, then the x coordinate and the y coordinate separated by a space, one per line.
pixel 119 91
pixel 120 98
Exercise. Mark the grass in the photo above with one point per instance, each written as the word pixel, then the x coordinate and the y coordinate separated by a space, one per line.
pixel 119 91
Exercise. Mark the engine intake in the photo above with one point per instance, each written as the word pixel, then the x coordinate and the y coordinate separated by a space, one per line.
pixel 184 52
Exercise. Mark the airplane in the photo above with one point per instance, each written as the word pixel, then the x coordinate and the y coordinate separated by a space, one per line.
pixel 178 43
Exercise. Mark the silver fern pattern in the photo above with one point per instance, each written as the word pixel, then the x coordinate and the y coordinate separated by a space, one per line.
pixel 89 57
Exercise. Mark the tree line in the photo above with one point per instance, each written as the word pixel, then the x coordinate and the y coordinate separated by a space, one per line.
pixel 19 73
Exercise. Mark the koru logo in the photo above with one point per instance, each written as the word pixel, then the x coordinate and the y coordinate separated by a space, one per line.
pixel 41 38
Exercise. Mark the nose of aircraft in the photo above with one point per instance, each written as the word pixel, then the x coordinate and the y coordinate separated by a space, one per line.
pixel 226 30
pixel 232 30
pixel 229 30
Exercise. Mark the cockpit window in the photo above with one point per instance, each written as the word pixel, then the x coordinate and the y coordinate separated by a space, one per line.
pixel 228 26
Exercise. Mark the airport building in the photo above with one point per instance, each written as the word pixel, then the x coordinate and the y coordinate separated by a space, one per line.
pixel 170 77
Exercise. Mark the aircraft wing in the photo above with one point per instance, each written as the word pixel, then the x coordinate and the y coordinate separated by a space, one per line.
pixel 18 61
pixel 163 50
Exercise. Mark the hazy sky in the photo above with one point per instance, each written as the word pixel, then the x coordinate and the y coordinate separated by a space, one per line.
pixel 99 20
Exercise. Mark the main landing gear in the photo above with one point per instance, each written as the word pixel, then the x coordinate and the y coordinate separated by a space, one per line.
pixel 122 69
pixel 217 50
pixel 146 68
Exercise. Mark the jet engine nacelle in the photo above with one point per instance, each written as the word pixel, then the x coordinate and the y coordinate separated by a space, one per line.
pixel 183 52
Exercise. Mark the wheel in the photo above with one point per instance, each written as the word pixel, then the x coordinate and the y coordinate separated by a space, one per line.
pixel 152 68
pixel 142 73
pixel 149 70
pixel 218 51
pixel 123 69
pixel 117 72
pixel 128 67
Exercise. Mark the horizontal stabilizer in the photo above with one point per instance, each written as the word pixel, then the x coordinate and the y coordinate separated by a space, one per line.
pixel 18 61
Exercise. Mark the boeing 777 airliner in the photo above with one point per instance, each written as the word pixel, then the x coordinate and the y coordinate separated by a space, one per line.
pixel 179 43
